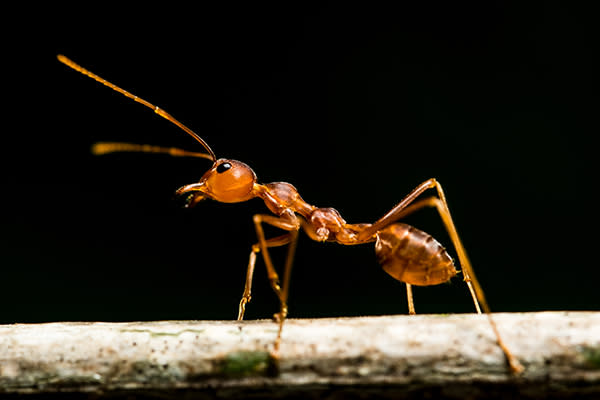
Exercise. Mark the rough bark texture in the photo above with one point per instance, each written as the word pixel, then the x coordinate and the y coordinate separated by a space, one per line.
pixel 442 356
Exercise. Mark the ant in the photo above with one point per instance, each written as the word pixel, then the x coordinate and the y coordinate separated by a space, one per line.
pixel 405 253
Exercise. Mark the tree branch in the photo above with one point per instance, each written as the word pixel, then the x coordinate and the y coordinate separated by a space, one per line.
pixel 445 356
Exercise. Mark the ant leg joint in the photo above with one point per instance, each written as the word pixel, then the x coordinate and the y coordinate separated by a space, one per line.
pixel 431 183
pixel 280 316
pixel 275 284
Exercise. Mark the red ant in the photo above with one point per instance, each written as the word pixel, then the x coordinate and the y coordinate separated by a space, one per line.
pixel 406 253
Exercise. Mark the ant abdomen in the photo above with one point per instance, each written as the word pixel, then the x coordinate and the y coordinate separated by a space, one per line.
pixel 413 256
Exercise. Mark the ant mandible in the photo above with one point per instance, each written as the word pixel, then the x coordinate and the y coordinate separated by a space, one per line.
pixel 406 253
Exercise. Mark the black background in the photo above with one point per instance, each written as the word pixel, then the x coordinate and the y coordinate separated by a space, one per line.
pixel 354 106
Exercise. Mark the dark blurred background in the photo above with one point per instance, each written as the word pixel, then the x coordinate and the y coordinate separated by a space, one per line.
pixel 355 106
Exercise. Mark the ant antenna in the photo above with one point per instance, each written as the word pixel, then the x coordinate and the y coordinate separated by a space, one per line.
pixel 159 111
pixel 102 148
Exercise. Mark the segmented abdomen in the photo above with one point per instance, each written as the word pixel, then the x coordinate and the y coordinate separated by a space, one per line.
pixel 413 256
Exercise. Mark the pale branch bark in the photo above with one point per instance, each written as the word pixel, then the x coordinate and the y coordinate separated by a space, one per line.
pixel 444 356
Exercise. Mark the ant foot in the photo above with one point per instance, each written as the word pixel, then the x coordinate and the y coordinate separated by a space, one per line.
pixel 242 307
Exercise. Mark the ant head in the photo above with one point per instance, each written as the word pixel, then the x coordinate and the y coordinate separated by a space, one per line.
pixel 227 181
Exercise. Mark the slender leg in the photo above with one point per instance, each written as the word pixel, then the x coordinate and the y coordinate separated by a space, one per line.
pixel 246 296
pixel 290 223
pixel 286 287
pixel 274 242
pixel 403 208
pixel 398 211
pixel 288 269
pixel 409 296
pixel 447 220
pixel 285 224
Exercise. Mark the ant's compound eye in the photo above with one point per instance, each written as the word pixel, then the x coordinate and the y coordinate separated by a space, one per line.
pixel 223 167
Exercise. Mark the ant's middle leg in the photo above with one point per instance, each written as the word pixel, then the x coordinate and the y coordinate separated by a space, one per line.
pixel 409 298
pixel 289 222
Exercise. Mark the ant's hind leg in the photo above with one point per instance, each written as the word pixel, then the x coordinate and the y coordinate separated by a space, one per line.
pixel 469 275
pixel 408 205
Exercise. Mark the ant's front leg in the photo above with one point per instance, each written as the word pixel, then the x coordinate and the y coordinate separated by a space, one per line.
pixel 273 242
pixel 288 221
